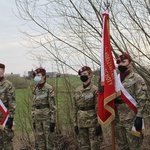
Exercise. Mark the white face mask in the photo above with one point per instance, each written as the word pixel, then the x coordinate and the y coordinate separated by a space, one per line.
pixel 37 79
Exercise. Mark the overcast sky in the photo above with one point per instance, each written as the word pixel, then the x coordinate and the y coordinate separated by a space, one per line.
pixel 15 56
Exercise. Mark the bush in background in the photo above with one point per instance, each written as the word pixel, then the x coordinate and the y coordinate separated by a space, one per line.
pixel 19 82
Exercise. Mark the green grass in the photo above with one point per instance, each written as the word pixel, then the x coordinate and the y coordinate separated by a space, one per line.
pixel 23 109
pixel 64 87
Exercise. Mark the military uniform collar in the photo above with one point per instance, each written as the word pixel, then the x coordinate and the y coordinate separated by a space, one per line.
pixel 2 82
pixel 40 86
pixel 130 75
pixel 123 75
pixel 85 86
pixel 88 86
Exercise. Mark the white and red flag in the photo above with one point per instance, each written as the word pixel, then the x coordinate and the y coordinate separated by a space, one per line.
pixel 108 86
pixel 5 114
pixel 126 97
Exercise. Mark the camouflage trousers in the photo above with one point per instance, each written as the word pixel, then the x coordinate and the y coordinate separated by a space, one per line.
pixel 6 137
pixel 43 136
pixel 88 139
pixel 126 140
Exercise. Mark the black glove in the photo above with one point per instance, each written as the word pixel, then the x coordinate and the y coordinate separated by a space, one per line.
pixel 34 126
pixel 98 130
pixel 76 130
pixel 9 123
pixel 138 123
pixel 52 126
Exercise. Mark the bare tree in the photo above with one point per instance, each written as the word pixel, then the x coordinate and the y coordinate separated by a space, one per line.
pixel 69 32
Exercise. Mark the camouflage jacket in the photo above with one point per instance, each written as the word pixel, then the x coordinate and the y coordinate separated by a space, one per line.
pixel 7 95
pixel 136 87
pixel 44 106
pixel 85 106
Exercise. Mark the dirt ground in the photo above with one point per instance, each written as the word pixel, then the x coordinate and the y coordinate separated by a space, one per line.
pixel 69 142
pixel 63 142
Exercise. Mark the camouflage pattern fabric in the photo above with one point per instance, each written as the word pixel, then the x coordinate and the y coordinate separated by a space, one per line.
pixel 88 140
pixel 7 95
pixel 124 120
pixel 147 107
pixel 126 140
pixel 44 139
pixel 85 117
pixel 43 113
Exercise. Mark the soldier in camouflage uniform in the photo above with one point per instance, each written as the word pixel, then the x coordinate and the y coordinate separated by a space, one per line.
pixel 86 125
pixel 125 116
pixel 7 95
pixel 43 111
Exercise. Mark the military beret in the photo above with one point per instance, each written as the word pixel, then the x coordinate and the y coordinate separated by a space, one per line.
pixel 2 66
pixel 39 70
pixel 84 68
pixel 122 57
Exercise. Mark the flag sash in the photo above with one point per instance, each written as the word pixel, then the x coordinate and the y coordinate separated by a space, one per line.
pixel 5 113
pixel 126 97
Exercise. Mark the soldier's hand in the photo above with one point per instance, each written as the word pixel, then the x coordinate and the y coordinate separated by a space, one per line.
pixel 9 123
pixel 52 126
pixel 76 130
pixel 138 123
pixel 98 130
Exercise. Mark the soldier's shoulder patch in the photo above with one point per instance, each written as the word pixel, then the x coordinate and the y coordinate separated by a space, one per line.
pixel 144 87
pixel 88 96
pixel 51 92
pixel 10 87
pixel 78 92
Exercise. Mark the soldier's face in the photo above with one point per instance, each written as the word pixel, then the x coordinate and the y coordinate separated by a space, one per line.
pixel 124 62
pixel 1 72
pixel 124 65
pixel 41 76
pixel 84 73
pixel 84 76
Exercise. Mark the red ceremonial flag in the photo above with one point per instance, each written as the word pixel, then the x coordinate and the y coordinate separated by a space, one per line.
pixel 108 86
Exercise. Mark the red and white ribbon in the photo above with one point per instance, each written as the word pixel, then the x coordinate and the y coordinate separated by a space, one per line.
pixel 5 114
pixel 126 97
